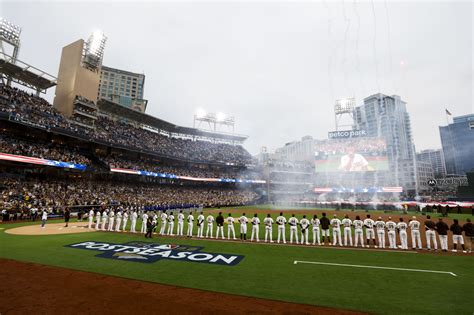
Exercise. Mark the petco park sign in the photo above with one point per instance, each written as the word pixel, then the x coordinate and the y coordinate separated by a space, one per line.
pixel 150 252
pixel 344 134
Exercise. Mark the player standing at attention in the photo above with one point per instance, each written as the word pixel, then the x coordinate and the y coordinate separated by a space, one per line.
pixel 293 222
pixel 119 220
pixel 200 225
pixel 315 223
pixel 347 223
pixel 457 236
pixel 164 219
pixel 134 217
pixel 171 224
pixel 97 220
pixel 230 227
pixel 220 225
pixel 255 228
pixel 415 233
pixel 369 230
pixel 44 218
pixel 125 219
pixel 281 221
pixel 105 218
pixel 268 222
pixel 468 229
pixel 442 229
pixel 392 235
pixel 144 222
pixel 243 227
pixel 210 228
pixel 91 218
pixel 336 231
pixel 325 223
pixel 179 232
pixel 190 224
pixel 304 224
pixel 380 226
pixel 430 232
pixel 402 230
pixel 358 231
pixel 111 219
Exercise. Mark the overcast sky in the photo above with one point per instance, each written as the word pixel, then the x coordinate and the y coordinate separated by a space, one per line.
pixel 276 66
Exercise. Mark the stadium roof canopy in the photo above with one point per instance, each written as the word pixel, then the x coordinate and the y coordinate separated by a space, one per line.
pixel 25 74
pixel 128 113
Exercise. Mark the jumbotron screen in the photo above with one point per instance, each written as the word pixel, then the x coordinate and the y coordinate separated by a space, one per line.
pixel 351 155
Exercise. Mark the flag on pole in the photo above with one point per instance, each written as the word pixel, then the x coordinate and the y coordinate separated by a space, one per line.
pixel 448 112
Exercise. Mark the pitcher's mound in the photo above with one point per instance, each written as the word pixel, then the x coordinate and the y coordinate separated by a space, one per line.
pixel 51 229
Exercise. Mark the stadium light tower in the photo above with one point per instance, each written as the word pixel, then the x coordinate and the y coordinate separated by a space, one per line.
pixel 10 36
pixel 344 107
pixel 213 121
pixel 93 53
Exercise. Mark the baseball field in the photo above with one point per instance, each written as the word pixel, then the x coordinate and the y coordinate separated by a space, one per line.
pixel 202 275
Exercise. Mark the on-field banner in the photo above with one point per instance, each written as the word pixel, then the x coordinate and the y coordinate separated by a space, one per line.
pixel 351 155
pixel 144 252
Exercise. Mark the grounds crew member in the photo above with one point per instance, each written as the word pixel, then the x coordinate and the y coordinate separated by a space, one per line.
pixel 97 220
pixel 200 225
pixel 243 227
pixel 358 231
pixel 255 228
pixel 442 229
pixel 281 221
pixel 468 229
pixel 402 231
pixel 190 224
pixel 230 227
pixel 457 236
pixel 336 231
pixel 430 232
pixel 304 224
pixel 392 235
pixel 315 223
pixel 325 223
pixel 369 230
pixel 220 225
pixel 210 225
pixel 268 222
pixel 293 222
pixel 179 232
pixel 380 227
pixel 347 223
pixel 415 233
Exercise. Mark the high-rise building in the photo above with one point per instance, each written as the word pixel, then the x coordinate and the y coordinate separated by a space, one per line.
pixel 436 159
pixel 457 140
pixel 298 150
pixel 123 87
pixel 387 117
pixel 424 173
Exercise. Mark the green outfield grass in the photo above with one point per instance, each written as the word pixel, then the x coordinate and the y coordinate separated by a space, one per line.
pixel 268 271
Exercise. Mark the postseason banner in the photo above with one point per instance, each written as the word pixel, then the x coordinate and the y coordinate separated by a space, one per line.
pixel 351 155
pixel 38 161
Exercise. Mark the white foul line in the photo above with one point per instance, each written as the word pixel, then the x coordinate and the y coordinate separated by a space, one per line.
pixel 372 267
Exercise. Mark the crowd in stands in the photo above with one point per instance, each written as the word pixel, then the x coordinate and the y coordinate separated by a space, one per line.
pixel 37 111
pixel 20 196
pixel 39 149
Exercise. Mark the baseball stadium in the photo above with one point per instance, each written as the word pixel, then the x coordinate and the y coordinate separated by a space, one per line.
pixel 109 207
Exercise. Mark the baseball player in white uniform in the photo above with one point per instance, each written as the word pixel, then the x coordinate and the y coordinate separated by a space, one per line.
pixel 134 217
pixel 230 227
pixel 97 220
pixel 210 221
pixel 415 233
pixel 369 230
pixel 171 224
pixel 268 222
pixel 304 224
pixel 293 222
pixel 164 219
pixel 91 218
pixel 281 221
pixel 124 220
pixel 179 232
pixel 402 231
pixel 336 231
pixel 190 225
pixel 118 220
pixel 200 225
pixel 144 220
pixel 255 228
pixel 380 227
pixel 111 220
pixel 316 223
pixel 358 231
pixel 44 218
pixel 392 235
pixel 347 223
pixel 105 218
pixel 243 220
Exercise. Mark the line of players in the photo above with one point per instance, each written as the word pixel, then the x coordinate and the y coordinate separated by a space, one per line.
pixel 321 228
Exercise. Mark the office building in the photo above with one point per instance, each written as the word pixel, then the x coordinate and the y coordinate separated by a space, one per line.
pixel 436 159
